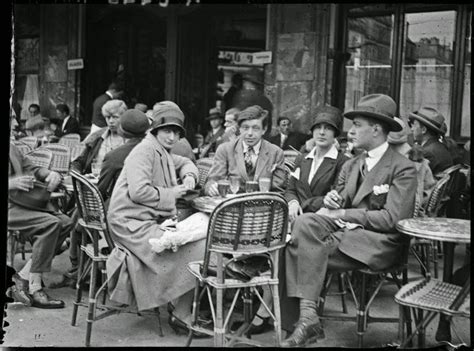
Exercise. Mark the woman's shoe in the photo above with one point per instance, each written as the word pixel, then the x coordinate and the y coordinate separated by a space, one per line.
pixel 181 328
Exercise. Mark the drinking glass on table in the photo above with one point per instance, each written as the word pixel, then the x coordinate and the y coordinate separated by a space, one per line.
pixel 223 187
pixel 234 184
pixel 264 184
pixel 251 186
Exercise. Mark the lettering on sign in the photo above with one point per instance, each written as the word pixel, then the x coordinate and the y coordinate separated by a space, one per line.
pixel 236 57
pixel 75 64
pixel 262 57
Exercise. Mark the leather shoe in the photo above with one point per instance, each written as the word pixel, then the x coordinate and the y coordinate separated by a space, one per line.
pixel 304 334
pixel 19 291
pixel 42 300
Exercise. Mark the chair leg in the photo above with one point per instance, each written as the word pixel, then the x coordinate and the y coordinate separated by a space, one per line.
pixel 80 278
pixel 361 316
pixel 92 303
pixel 218 327
pixel 247 295
pixel 276 311
pixel 342 291
pixel 160 329
pixel 12 249
pixel 324 293
pixel 195 312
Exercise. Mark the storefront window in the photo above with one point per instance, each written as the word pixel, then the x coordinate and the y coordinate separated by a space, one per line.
pixel 369 69
pixel 427 70
pixel 466 101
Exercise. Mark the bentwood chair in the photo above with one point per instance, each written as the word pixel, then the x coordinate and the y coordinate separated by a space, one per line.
pixel 77 150
pixel 435 297
pixel 290 157
pixel 40 157
pixel 203 165
pixel 246 225
pixel 31 141
pixel 24 148
pixel 96 244
pixel 61 158
pixel 70 140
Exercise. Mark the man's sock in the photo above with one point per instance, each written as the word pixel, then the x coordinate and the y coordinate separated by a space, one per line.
pixel 35 282
pixel 25 271
pixel 308 311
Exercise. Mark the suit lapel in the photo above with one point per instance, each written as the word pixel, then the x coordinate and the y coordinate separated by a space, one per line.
pixel 350 187
pixel 239 159
pixel 305 168
pixel 374 177
pixel 262 160
pixel 325 167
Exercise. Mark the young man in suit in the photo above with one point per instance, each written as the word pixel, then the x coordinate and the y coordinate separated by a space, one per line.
pixel 287 139
pixel 426 125
pixel 356 228
pixel 114 91
pixel 250 156
pixel 66 123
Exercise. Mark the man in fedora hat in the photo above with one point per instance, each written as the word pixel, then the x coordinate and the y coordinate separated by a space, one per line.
pixel 217 131
pixel 356 227
pixel 29 212
pixel 426 125
pixel 287 139
pixel 249 156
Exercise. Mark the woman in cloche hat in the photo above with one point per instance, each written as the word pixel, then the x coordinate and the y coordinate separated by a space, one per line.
pixel 144 198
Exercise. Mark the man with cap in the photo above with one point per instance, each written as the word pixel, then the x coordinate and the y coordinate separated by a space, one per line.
pixel 356 227
pixel 426 125
pixel 133 126
pixel 30 213
pixel 316 171
pixel 217 131
pixel 287 139
pixel 249 157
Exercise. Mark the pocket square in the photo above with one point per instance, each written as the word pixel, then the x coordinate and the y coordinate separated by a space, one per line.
pixel 295 173
pixel 381 189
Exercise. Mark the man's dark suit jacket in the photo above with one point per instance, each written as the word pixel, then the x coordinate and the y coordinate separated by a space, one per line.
pixel 72 126
pixel 97 117
pixel 294 139
pixel 438 155
pixel 112 166
pixel 310 196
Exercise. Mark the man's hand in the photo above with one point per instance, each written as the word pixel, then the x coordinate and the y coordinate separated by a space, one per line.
pixel 294 210
pixel 25 183
pixel 213 191
pixel 189 182
pixel 331 213
pixel 179 191
pixel 53 179
pixel 333 200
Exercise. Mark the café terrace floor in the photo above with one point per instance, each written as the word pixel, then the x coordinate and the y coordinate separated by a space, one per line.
pixel 31 327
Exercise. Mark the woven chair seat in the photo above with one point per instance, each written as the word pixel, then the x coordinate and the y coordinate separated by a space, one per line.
pixel 195 269
pixel 433 295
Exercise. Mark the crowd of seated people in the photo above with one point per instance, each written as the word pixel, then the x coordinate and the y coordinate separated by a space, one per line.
pixel 344 202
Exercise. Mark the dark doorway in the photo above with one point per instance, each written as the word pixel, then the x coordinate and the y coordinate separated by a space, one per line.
pixel 126 43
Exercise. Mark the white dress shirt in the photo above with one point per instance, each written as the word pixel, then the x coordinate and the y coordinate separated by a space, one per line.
pixel 373 156
pixel 64 123
pixel 332 153
pixel 283 138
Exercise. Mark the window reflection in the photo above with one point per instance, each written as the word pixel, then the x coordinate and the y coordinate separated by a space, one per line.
pixel 466 100
pixel 428 62
pixel 369 69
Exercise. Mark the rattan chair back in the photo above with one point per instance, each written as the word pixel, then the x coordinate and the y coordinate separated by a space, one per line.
pixel 61 158
pixel 70 140
pixel 250 223
pixel 288 170
pixel 91 208
pixel 40 157
pixel 204 165
pixel 437 195
pixel 76 151
pixel 22 147
pixel 290 157
pixel 31 141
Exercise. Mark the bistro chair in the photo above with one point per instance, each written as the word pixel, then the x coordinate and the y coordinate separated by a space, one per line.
pixel 61 158
pixel 70 140
pixel 434 297
pixel 96 244
pixel 204 165
pixel 76 151
pixel 40 157
pixel 290 157
pixel 24 148
pixel 247 225
pixel 31 141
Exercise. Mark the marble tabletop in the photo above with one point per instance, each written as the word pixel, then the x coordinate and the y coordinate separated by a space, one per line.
pixel 442 229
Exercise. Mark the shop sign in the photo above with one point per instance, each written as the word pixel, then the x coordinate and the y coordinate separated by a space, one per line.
pixel 75 64
pixel 236 57
pixel 262 57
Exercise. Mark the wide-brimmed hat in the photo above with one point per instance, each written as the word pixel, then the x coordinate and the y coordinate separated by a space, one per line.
pixel 330 115
pixel 377 106
pixel 36 199
pixel 167 113
pixel 430 117
pixel 133 124
pixel 214 113
pixel 400 137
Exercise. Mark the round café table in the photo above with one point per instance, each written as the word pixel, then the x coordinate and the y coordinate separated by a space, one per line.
pixel 450 231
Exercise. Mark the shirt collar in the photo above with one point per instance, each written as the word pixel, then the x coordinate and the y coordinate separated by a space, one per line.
pixel 109 94
pixel 378 151
pixel 256 148
pixel 332 153
pixel 106 133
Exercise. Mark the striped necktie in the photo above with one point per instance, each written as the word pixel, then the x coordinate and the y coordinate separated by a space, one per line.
pixel 248 160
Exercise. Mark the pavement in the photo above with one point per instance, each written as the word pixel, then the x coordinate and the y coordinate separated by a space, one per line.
pixel 34 327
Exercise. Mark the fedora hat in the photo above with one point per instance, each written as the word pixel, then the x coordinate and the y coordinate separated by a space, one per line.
pixel 167 113
pixel 377 106
pixel 133 124
pixel 36 199
pixel 430 117
pixel 330 115
pixel 214 113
